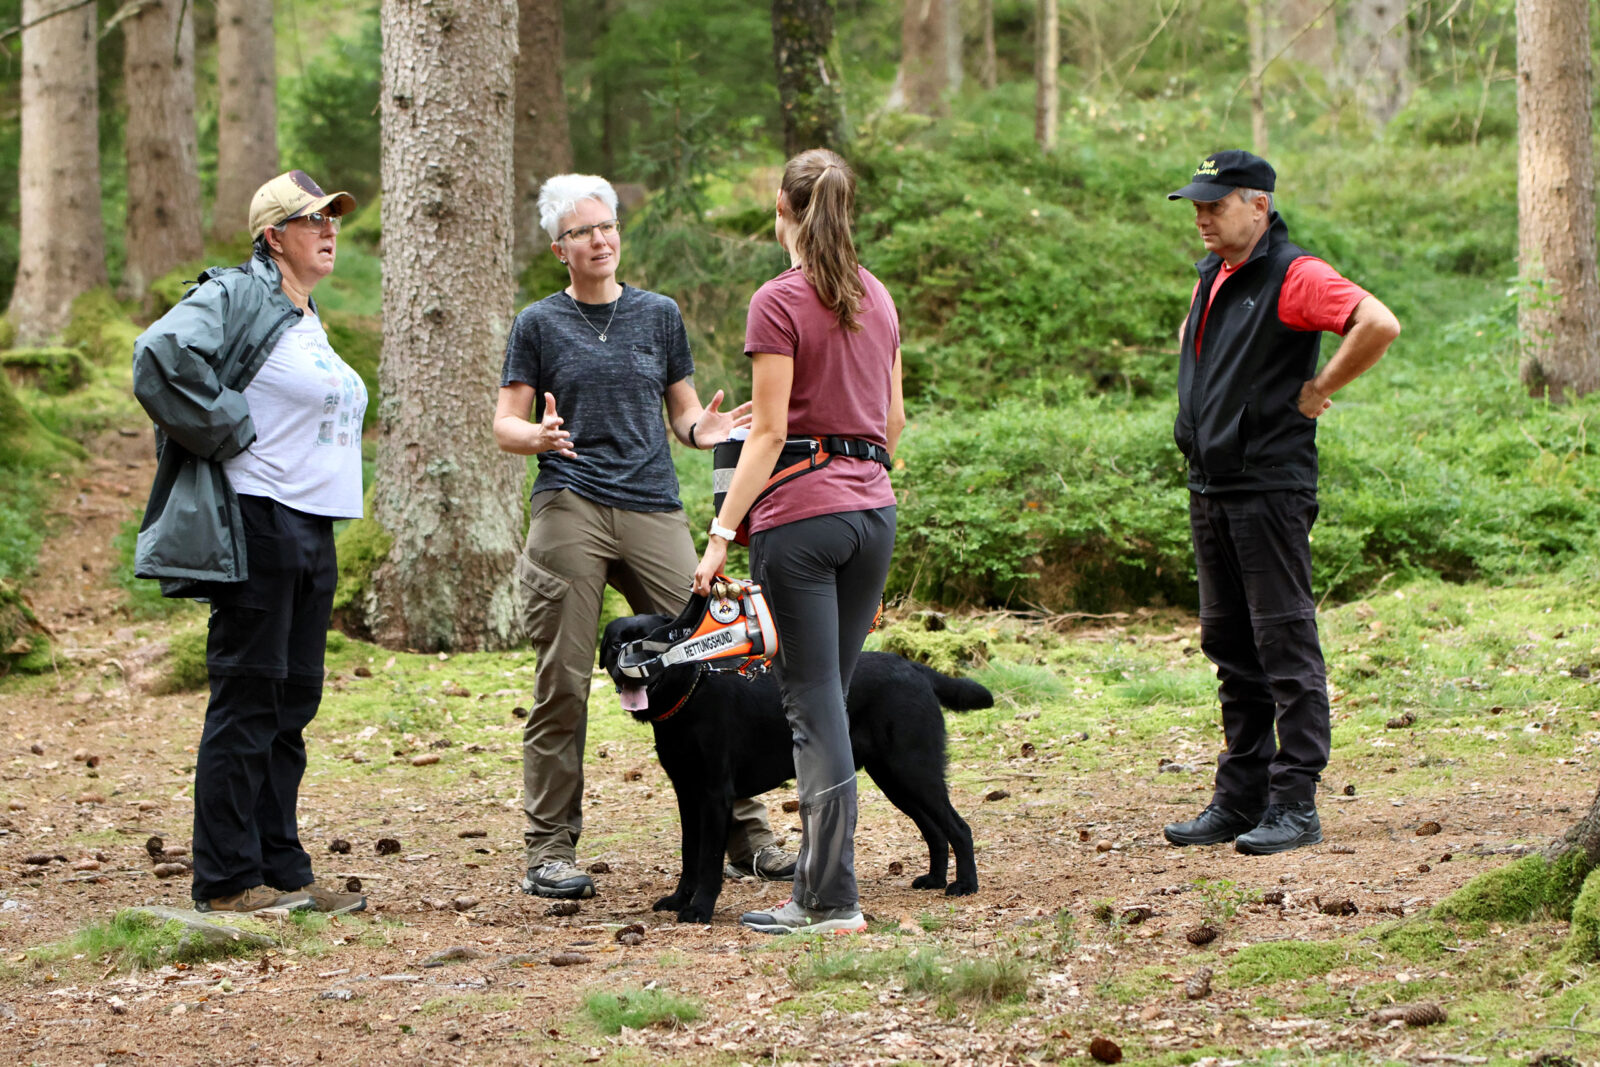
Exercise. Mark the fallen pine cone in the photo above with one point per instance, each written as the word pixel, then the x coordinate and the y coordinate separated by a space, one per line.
pixel 1137 914
pixel 632 928
pixel 631 940
pixel 362 672
pixel 563 907
pixel 568 959
pixel 1424 1015
pixel 1201 935
pixel 1272 896
pixel 599 867
pixel 896 868
pixel 352 884
pixel 38 859
pixel 174 854
pixel 997 794
pixel 339 845
pixel 472 833
pixel 1199 984
pixel 791 806
pixel 1105 1050
pixel 387 846
pixel 1400 722
pixel 464 903
pixel 1336 907
pixel 1428 829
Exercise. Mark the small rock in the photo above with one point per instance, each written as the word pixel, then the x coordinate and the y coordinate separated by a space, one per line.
pixel 568 959
pixel 86 865
pixel 562 907
pixel 36 748
pixel 457 691
pixel 340 846
pixel 79 755
pixel 91 798
pixel 454 952
pixel 464 903
pixel 16 805
pixel 174 854
pixel 599 867
pixel 387 846
pixel 1428 829
pixel 148 805
pixel 997 794
pixel 425 759
pixel 169 870
pixel 630 940
pixel 1102 845
pixel 1105 1050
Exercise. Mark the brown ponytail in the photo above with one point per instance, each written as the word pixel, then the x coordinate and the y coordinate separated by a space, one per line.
pixel 821 192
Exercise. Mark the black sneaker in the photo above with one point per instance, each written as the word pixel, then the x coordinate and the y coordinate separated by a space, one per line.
pixel 1211 827
pixel 1285 826
pixel 770 864
pixel 558 878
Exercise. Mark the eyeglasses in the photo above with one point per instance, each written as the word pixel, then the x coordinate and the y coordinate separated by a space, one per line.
pixel 583 233
pixel 317 220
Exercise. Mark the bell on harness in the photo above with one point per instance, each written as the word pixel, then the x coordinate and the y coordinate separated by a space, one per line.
pixel 732 629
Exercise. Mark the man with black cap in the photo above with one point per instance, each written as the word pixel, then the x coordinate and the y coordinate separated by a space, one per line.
pixel 1249 394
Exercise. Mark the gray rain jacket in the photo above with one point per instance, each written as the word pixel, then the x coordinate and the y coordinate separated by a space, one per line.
pixel 190 369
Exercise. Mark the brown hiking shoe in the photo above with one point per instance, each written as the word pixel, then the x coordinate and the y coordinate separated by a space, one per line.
pixel 256 898
pixel 333 901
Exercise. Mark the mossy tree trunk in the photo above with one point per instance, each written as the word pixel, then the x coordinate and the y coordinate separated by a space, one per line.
pixel 924 59
pixel 543 143
pixel 1582 838
pixel 449 497
pixel 808 84
pixel 61 251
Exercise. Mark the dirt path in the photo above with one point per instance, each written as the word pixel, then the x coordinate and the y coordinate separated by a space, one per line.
pixel 93 767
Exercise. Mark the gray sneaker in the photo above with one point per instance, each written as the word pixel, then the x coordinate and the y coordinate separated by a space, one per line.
pixel 770 864
pixel 558 878
pixel 791 918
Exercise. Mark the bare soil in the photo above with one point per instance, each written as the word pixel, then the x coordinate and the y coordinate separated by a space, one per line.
pixel 1061 841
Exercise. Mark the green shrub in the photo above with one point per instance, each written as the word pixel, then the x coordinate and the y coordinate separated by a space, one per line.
pixel 53 370
pixel 101 327
pixel 24 646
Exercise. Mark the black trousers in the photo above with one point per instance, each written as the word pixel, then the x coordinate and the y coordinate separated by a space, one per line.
pixel 824 578
pixel 264 654
pixel 1258 626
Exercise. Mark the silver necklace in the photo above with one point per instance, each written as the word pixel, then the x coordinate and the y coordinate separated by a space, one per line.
pixel 598 333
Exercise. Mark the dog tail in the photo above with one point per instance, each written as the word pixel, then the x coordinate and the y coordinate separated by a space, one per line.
pixel 957 694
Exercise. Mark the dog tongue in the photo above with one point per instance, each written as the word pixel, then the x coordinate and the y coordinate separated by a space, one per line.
pixel 634 698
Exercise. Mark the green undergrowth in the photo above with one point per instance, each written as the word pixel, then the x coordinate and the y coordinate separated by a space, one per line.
pixel 640 1009
pixel 1519 891
pixel 132 940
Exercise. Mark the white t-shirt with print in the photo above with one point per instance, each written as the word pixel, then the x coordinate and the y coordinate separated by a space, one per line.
pixel 307 406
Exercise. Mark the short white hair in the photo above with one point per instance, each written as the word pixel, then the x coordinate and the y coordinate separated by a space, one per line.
pixel 559 197
pixel 1250 196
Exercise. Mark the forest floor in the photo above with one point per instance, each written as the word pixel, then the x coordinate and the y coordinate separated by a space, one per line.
pixel 1077 933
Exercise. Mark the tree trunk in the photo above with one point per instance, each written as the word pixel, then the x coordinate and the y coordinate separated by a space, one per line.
pixel 953 40
pixel 1560 317
pixel 164 217
pixel 808 87
pixel 1255 24
pixel 61 250
pixel 1046 70
pixel 1377 55
pixel 447 495
pixel 247 112
pixel 924 44
pixel 1305 31
pixel 989 69
pixel 1583 836
pixel 543 145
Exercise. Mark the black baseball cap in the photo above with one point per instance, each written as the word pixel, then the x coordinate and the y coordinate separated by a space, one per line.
pixel 1221 173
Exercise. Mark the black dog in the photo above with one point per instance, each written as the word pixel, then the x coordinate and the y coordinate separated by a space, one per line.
pixel 721 736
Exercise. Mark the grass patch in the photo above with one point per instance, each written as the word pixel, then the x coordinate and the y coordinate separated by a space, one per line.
pixel 133 938
pixel 979 979
pixel 1284 961
pixel 821 965
pixel 640 1009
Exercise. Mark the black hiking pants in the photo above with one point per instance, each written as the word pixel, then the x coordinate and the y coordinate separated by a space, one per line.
pixel 264 654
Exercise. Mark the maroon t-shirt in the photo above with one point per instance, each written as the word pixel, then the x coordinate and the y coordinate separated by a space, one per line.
pixel 841 388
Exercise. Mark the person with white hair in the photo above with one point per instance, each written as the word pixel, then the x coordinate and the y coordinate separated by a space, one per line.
pixel 599 358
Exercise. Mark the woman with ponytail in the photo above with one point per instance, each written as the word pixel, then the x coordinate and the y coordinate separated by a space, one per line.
pixel 824 340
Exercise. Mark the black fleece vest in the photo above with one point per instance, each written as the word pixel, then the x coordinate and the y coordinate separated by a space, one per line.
pixel 1239 420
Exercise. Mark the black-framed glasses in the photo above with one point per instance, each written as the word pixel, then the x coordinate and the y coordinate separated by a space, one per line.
pixel 583 233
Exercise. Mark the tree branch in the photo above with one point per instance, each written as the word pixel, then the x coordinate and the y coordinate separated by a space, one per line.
pixel 73 5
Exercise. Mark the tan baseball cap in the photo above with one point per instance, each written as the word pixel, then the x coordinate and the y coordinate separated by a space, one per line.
pixel 291 195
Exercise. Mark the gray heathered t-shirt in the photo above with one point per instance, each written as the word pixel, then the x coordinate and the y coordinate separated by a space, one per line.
pixel 609 392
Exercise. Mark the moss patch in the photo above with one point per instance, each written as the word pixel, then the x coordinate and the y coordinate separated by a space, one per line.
pixel 1518 891
pixel 1583 939
pixel 26 443
pixel 185 666
pixel 362 546
pixel 23 644
pixel 948 651
pixel 1283 961
pixel 1418 940
pixel 100 326
pixel 54 370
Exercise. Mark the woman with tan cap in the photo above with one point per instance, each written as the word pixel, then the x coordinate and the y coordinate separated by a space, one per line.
pixel 258 438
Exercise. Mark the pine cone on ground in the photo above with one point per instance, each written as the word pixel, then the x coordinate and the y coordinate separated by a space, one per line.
pixel 1201 935
pixel 1198 987
pixel 1424 1015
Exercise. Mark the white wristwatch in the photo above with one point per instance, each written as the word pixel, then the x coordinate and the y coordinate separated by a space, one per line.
pixel 719 530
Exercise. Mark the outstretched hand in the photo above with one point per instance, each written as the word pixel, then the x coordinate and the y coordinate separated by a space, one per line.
pixel 715 425
pixel 549 435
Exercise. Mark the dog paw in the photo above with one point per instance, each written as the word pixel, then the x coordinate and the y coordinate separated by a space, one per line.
pixel 669 903
pixel 927 881
pixel 694 915
pixel 961 889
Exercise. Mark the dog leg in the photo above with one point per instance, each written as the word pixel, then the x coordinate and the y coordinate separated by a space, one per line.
pixel 689 831
pixel 704 869
pixel 960 835
pixel 904 796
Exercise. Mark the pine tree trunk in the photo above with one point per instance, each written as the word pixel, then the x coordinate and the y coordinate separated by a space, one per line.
pixel 1376 56
pixel 1255 26
pixel 247 112
pixel 543 145
pixel 808 88
pixel 989 70
pixel 449 497
pixel 164 217
pixel 953 41
pixel 1560 317
pixel 1583 836
pixel 924 68
pixel 61 250
pixel 1047 66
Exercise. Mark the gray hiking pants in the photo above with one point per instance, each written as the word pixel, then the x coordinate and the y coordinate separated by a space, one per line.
pixel 823 578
